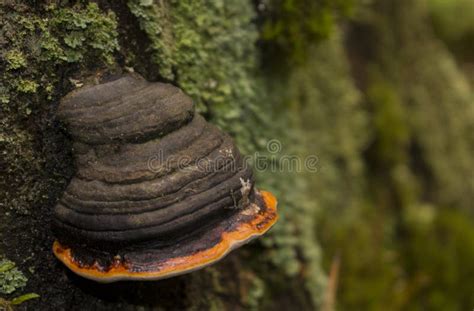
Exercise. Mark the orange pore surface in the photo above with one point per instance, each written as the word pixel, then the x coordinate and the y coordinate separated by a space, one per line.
pixel 230 240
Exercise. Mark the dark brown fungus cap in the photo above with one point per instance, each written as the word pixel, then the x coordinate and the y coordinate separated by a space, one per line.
pixel 158 191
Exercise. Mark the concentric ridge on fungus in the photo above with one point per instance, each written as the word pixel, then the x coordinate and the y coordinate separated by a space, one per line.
pixel 158 191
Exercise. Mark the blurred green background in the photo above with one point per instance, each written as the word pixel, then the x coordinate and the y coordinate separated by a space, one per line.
pixel 381 91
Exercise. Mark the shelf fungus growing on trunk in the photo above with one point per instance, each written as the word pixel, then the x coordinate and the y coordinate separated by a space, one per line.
pixel 158 191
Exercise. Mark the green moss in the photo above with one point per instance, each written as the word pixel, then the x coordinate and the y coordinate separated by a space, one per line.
pixel 256 292
pixel 152 19
pixel 62 35
pixel 37 43
pixel 439 100
pixel 417 163
pixel 26 86
pixel 369 271
pixel 454 23
pixel 84 30
pixel 208 49
pixel 15 59
pixel 332 122
pixel 4 98
pixel 293 26
pixel 11 278
pixel 197 299
pixel 442 122
pixel 442 280
pixel 390 124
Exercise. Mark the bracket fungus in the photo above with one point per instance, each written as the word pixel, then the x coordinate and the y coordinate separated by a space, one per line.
pixel 158 191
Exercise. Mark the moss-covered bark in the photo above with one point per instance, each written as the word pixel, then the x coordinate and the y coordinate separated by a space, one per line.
pixel 407 243
pixel 206 48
